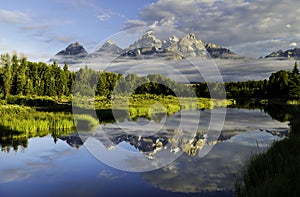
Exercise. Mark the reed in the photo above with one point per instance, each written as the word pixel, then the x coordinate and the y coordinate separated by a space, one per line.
pixel 21 121
pixel 274 172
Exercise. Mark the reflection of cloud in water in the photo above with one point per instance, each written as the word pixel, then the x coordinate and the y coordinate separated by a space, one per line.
pixel 110 175
pixel 252 138
pixel 239 119
pixel 40 155
pixel 217 170
pixel 10 175
pixel 124 157
pixel 214 172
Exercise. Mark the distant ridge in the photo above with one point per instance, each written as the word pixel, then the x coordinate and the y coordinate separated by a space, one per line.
pixel 288 54
pixel 216 51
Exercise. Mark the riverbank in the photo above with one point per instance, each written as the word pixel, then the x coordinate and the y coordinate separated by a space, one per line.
pixel 275 172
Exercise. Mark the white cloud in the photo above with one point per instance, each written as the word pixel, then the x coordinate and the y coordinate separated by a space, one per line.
pixel 293 44
pixel 227 23
pixel 134 23
pixel 9 16
pixel 103 16
pixel 106 15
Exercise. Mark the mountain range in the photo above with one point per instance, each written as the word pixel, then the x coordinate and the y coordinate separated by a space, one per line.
pixel 149 46
pixel 283 55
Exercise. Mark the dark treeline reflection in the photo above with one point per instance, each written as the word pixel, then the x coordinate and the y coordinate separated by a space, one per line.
pixel 17 140
pixel 277 109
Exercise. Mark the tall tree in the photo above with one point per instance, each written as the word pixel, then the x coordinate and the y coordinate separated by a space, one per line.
pixel 295 69
pixel 7 74
pixel 21 76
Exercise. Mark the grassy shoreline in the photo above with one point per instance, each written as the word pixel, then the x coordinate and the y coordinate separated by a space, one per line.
pixel 31 115
pixel 275 172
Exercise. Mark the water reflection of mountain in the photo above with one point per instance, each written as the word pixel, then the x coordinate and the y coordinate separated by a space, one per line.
pixel 188 143
pixel 73 140
pixel 214 173
pixel 237 120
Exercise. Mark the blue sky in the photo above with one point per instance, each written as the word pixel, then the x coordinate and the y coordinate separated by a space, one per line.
pixel 39 29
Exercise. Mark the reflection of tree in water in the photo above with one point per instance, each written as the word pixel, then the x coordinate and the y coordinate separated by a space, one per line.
pixel 286 112
pixel 248 104
pixel 16 140
pixel 279 110
pixel 7 144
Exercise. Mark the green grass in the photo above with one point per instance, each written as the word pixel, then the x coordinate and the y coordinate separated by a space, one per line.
pixel 24 122
pixel 274 172
pixel 25 117
pixel 145 105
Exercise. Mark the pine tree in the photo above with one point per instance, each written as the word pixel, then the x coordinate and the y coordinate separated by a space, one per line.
pixel 14 73
pixel 296 70
pixel 21 77
pixel 7 74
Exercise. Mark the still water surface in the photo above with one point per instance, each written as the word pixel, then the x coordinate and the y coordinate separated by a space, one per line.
pixel 66 167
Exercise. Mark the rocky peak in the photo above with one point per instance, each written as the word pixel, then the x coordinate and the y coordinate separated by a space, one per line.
pixel 110 47
pixel 212 46
pixel 187 46
pixel 173 40
pixel 291 53
pixel 216 51
pixel 147 40
pixel 73 49
pixel 72 54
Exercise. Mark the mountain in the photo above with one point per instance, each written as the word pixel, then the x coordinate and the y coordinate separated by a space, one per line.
pixel 288 54
pixel 173 48
pixel 216 51
pixel 108 48
pixel 147 40
pixel 189 46
pixel 73 53
pixel 73 49
pixel 148 46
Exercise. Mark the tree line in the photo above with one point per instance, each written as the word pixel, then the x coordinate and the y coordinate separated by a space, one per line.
pixel 18 76
pixel 100 83
pixel 280 85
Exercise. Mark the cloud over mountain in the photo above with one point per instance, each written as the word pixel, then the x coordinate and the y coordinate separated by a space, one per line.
pixel 234 23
